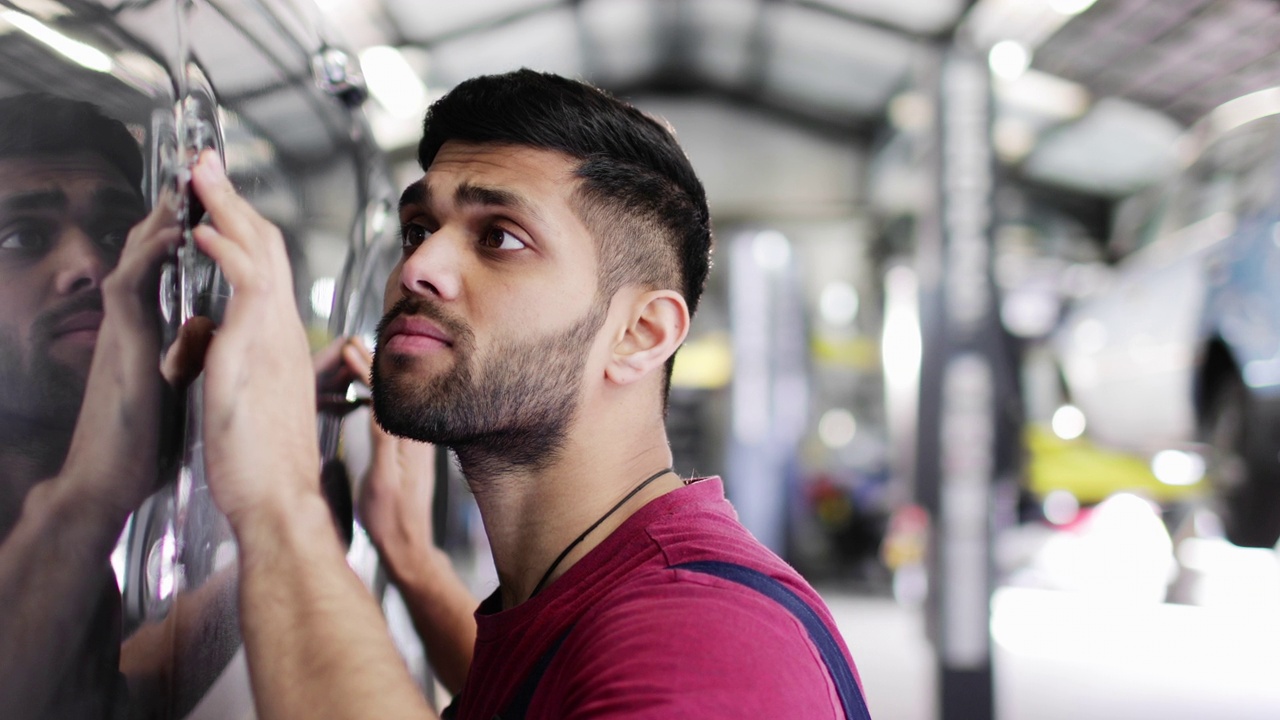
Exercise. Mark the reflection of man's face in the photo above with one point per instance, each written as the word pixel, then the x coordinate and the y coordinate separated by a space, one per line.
pixel 63 222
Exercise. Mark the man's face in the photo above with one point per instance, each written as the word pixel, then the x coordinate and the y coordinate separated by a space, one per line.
pixel 63 222
pixel 492 310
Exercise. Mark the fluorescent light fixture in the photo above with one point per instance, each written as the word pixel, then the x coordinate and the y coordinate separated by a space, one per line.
pixel 901 344
pixel 1071 7
pixel 1245 109
pixel 393 82
pixel 84 55
pixel 1044 95
pixel 1009 59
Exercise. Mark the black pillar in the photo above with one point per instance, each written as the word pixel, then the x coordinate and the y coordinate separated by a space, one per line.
pixel 967 384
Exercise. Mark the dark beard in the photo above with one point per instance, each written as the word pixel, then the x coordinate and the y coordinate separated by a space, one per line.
pixel 509 411
pixel 35 389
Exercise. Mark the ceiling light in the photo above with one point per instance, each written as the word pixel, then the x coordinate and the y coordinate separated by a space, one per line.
pixel 1178 467
pixel 1245 109
pixel 1071 7
pixel 1009 59
pixel 838 303
pixel 1068 422
pixel 837 428
pixel 84 55
pixel 771 250
pixel 393 82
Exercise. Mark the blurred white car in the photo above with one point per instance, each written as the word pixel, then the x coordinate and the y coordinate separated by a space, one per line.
pixel 1177 355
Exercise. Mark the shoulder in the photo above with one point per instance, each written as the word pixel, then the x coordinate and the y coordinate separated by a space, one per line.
pixel 687 644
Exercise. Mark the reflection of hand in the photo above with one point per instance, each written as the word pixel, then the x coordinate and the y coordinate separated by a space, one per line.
pixel 112 456
pixel 337 365
pixel 259 404
pixel 394 504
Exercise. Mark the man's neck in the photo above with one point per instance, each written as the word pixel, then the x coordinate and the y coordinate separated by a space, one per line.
pixel 531 517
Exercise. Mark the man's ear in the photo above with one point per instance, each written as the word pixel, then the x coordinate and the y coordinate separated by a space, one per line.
pixel 656 323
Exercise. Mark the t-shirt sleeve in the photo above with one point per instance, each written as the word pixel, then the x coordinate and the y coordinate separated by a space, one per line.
pixel 689 648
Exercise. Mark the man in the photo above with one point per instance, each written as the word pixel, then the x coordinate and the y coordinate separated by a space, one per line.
pixel 79 429
pixel 553 254
pixel 70 190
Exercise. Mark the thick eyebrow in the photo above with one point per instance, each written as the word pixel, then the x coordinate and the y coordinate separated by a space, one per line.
pixel 34 200
pixel 419 195
pixel 469 194
pixel 117 199
pixel 413 195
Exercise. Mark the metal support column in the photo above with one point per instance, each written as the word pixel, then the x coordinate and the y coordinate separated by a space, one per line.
pixel 967 387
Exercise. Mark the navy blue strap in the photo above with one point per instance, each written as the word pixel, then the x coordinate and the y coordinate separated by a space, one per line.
pixel 518 706
pixel 855 708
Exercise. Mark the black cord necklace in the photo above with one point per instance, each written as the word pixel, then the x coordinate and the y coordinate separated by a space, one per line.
pixel 556 563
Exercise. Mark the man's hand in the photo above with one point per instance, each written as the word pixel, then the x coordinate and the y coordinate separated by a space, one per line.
pixel 317 643
pixel 112 458
pixel 394 506
pixel 395 494
pixel 259 403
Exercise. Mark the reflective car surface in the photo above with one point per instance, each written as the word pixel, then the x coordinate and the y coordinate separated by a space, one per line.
pixel 104 107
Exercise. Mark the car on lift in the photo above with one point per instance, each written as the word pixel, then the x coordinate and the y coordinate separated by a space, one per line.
pixel 1177 355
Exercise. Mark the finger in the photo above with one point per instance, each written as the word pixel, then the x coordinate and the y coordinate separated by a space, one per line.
pixel 363 349
pixel 140 263
pixel 333 373
pixel 236 264
pixel 360 363
pixel 327 358
pixel 164 213
pixel 231 214
pixel 185 358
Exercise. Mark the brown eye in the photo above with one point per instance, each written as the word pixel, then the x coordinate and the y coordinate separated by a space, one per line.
pixel 499 239
pixel 25 237
pixel 411 236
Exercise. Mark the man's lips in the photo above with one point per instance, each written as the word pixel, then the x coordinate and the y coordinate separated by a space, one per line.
pixel 84 321
pixel 407 333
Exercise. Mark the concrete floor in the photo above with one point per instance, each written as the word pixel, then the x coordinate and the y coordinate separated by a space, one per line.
pixel 1067 654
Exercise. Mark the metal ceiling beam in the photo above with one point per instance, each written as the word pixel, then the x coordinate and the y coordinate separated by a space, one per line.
pixel 941 37
pixel 856 129
pixel 492 23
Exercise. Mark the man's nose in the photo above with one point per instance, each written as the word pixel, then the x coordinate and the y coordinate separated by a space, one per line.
pixel 80 264
pixel 435 266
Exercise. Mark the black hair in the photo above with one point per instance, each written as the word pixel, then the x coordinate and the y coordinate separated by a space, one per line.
pixel 638 194
pixel 36 124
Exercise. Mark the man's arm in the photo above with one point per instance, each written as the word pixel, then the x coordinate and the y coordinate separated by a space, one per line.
pixel 53 563
pixel 394 506
pixel 317 644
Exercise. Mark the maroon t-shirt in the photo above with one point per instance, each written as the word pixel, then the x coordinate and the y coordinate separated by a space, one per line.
pixel 646 641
